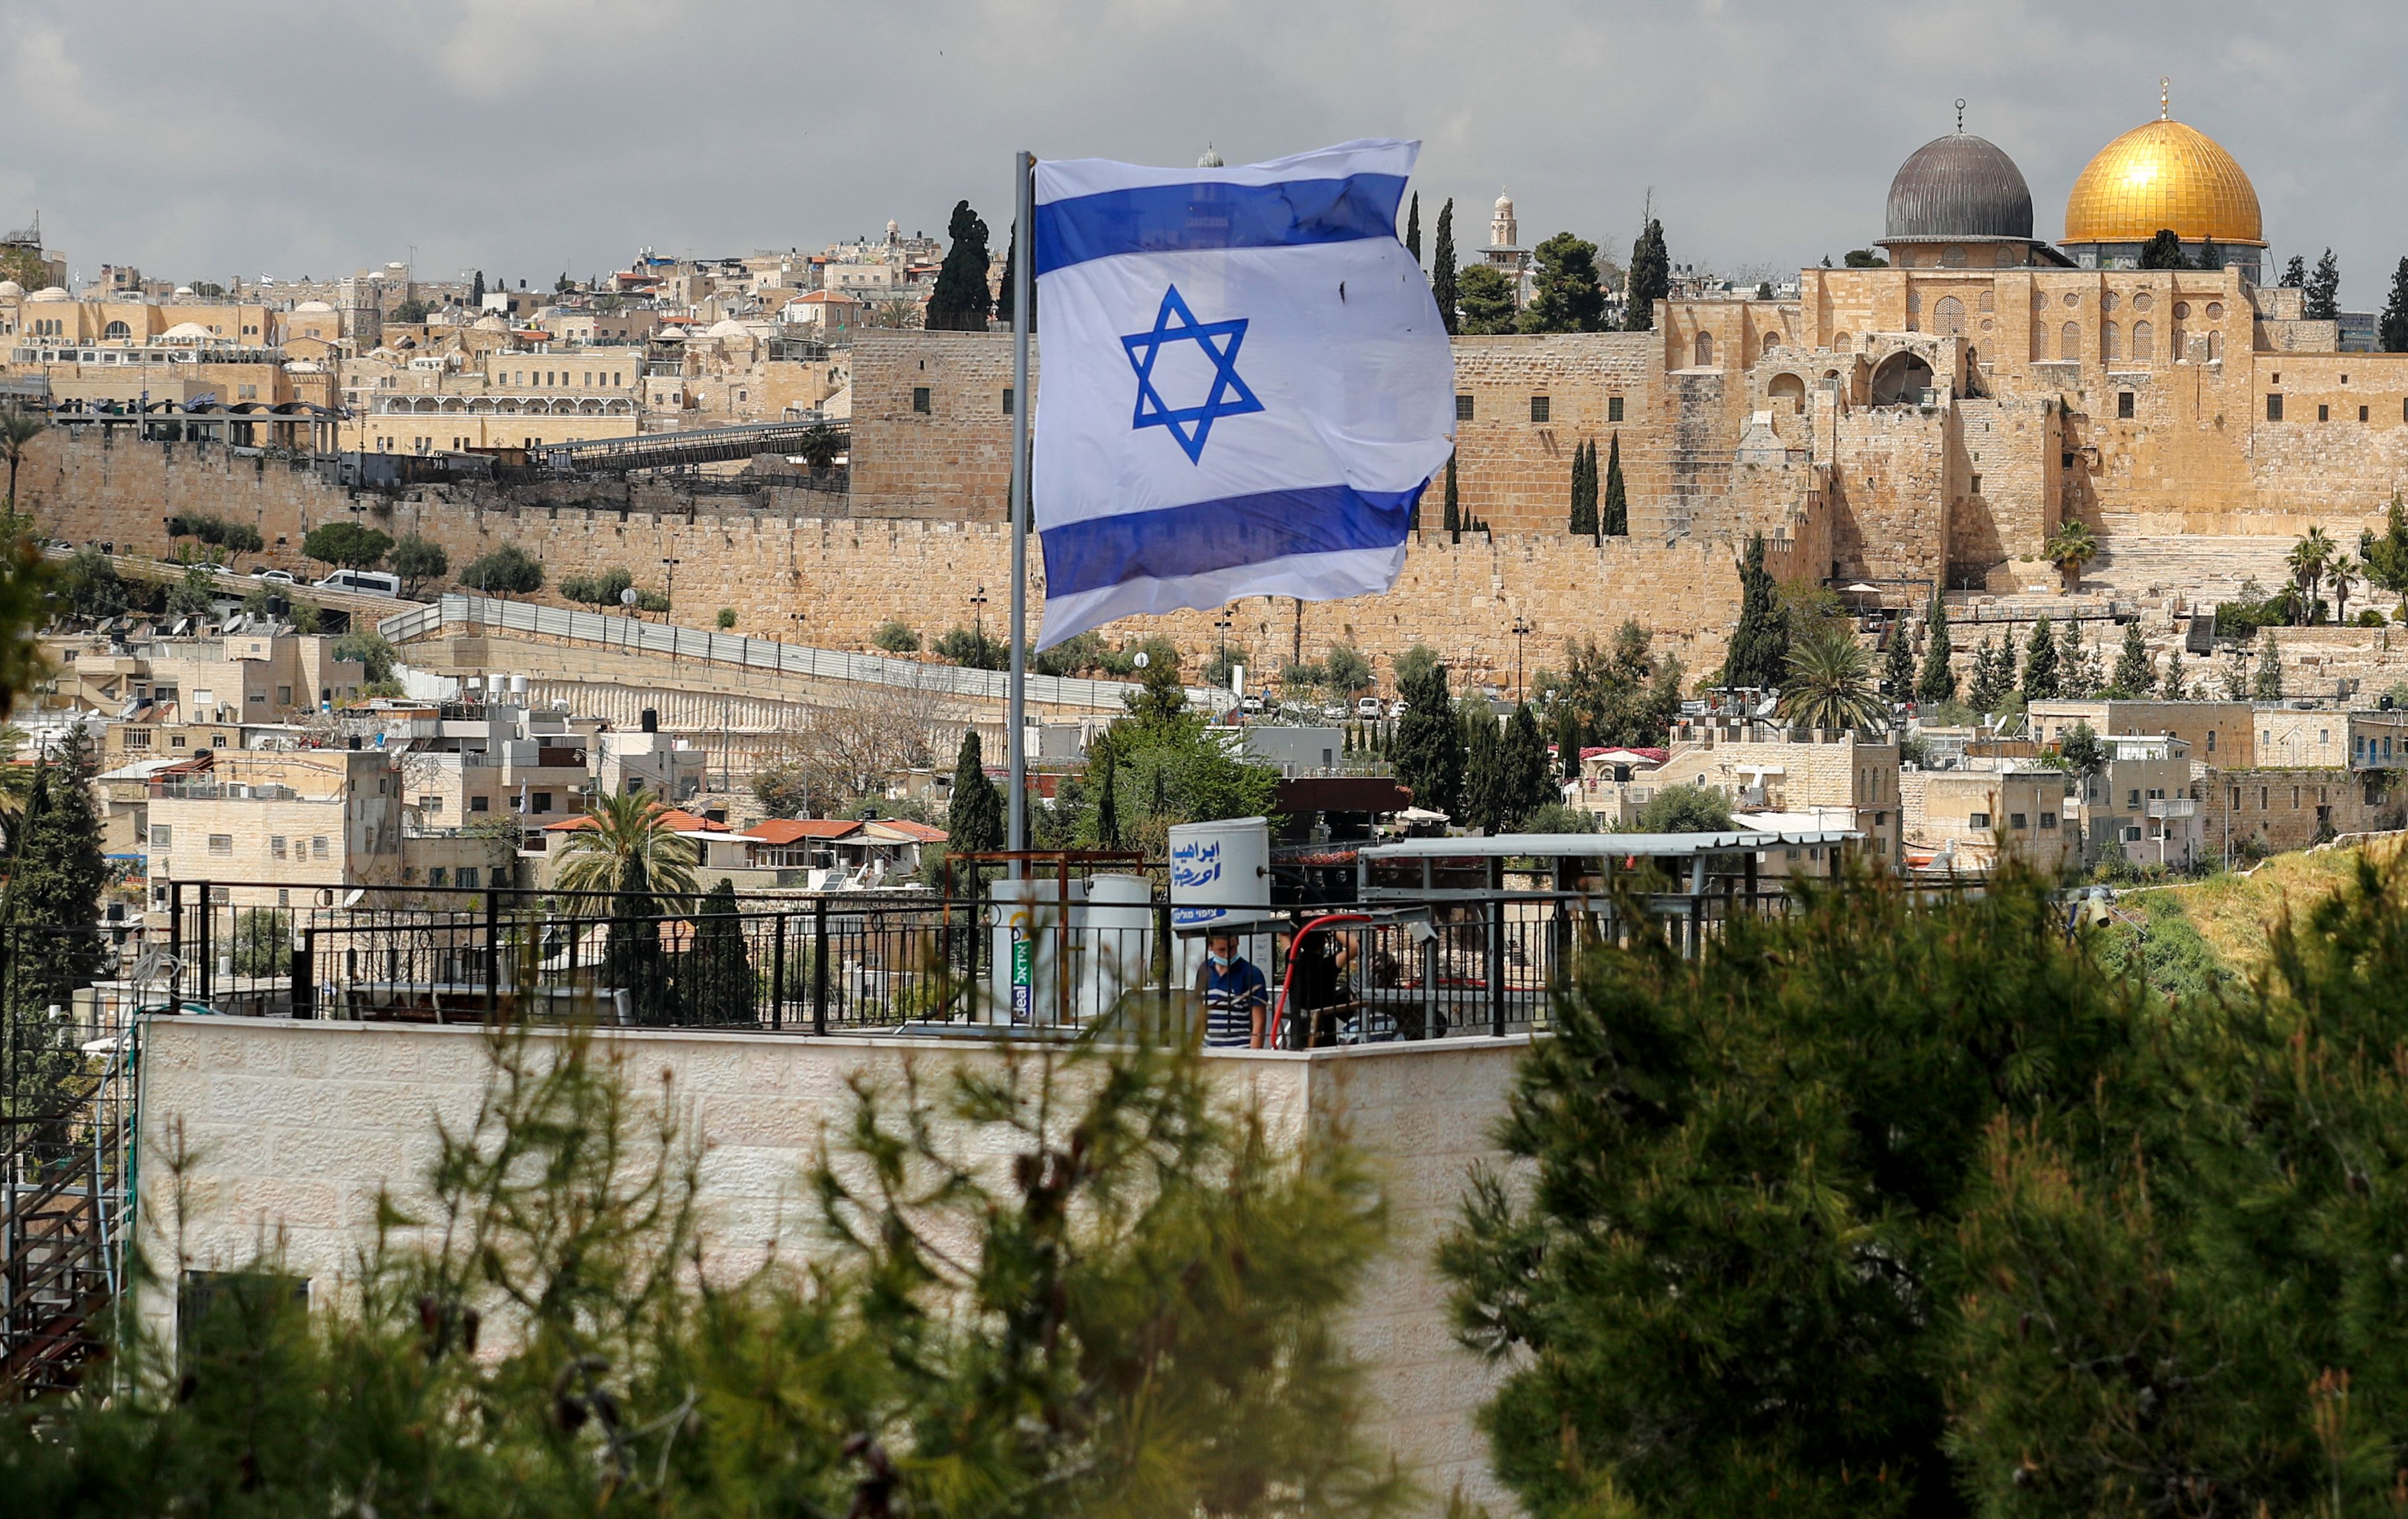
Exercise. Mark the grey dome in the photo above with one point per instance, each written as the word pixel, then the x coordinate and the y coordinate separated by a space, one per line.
pixel 1959 186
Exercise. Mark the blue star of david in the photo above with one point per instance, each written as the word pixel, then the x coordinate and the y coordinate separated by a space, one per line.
pixel 1228 397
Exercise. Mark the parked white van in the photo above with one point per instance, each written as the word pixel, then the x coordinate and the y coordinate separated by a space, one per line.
pixel 367 582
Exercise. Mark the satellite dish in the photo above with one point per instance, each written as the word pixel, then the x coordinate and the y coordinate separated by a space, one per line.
pixel 627 597
pixel 1140 661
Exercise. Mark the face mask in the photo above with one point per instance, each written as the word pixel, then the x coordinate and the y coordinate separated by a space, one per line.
pixel 1221 961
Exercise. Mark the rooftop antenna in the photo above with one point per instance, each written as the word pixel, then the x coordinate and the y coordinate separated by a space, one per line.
pixel 1960 114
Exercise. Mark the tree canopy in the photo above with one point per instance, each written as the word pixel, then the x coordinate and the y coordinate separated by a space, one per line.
pixel 1568 294
pixel 961 300
pixel 506 571
pixel 348 544
pixel 1650 279
pixel 1486 295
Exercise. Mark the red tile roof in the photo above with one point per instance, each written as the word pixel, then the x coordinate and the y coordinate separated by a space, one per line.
pixel 786 830
pixel 920 831
pixel 678 821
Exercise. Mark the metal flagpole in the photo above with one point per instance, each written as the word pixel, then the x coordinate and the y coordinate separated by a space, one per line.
pixel 1022 255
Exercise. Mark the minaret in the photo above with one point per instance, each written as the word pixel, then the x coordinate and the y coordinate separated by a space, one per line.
pixel 1503 230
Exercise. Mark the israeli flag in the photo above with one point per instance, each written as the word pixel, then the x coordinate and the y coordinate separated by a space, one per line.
pixel 1245 387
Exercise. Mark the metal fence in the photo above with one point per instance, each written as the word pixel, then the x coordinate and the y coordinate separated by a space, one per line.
pixel 1391 969
pixel 483 614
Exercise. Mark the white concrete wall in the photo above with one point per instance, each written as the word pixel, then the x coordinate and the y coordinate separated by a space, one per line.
pixel 291 1129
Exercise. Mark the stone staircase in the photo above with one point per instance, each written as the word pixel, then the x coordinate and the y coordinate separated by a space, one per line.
pixel 2199 569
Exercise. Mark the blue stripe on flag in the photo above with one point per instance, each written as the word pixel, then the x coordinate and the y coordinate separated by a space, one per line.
pixel 1181 218
pixel 1206 535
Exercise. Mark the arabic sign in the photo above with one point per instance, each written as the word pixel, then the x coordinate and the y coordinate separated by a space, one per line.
pixel 1218 867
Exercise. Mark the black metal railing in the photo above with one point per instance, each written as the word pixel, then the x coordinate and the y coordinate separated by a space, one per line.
pixel 1378 971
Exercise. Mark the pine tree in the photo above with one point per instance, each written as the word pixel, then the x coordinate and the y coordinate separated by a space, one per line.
pixel 1614 516
pixel 1488 297
pixel 2295 273
pixel 1413 228
pixel 2040 663
pixel 1650 279
pixel 1428 744
pixel 2171 683
pixel 1441 267
pixel 2134 676
pixel 2236 675
pixel 974 818
pixel 1938 681
pixel 1759 643
pixel 718 985
pixel 961 301
pixel 2163 251
pixel 1898 672
pixel 2268 683
pixel 1567 293
pixel 2324 290
pixel 2393 332
pixel 1451 524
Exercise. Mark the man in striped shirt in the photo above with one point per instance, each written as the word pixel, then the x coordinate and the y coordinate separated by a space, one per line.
pixel 1235 997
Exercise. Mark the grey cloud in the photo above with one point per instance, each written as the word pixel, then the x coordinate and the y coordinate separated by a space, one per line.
pixel 525 136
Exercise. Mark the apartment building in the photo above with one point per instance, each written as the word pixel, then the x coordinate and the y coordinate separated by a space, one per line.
pixel 220 682
pixel 1759 768
pixel 2141 805
pixel 1964 820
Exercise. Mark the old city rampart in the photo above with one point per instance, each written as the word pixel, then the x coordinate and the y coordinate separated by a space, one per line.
pixel 833 580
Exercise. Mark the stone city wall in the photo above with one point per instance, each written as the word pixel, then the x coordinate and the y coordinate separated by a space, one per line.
pixel 289 1129
pixel 832 582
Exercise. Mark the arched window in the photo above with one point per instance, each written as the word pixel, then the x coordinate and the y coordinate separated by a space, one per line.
pixel 1948 316
pixel 2008 257
pixel 1771 344
pixel 117 331
pixel 2069 341
pixel 1840 343
pixel 1989 301
pixel 1705 350
pixel 2145 340
pixel 1789 388
pixel 2180 353
pixel 2214 347
pixel 2110 343
pixel 1954 258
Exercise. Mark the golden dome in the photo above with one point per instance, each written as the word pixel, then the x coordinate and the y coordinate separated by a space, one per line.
pixel 2158 176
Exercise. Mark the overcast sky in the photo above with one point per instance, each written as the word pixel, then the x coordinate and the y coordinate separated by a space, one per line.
pixel 526 137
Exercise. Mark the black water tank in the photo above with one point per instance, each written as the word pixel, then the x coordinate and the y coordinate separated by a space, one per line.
pixel 652 721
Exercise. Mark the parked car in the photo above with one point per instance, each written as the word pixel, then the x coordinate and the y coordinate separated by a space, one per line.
pixel 1367 707
pixel 282 577
pixel 367 582
pixel 1253 704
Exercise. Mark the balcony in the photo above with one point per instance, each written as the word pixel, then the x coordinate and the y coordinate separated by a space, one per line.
pixel 2173 807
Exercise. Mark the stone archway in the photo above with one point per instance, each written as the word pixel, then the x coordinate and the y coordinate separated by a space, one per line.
pixel 1901 380
pixel 1787 388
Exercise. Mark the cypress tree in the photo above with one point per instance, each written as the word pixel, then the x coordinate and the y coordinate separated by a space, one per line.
pixel 1428 747
pixel 2269 684
pixel 2393 331
pixel 54 892
pixel 2324 290
pixel 1584 520
pixel 974 818
pixel 1650 279
pixel 1413 228
pixel 1759 643
pixel 1003 295
pixel 1483 774
pixel 477 293
pixel 2135 677
pixel 1567 740
pixel 1453 522
pixel 961 301
pixel 1522 758
pixel 1614 516
pixel 1938 683
pixel 718 985
pixel 1441 266
pixel 1108 804
pixel 1898 673
pixel 2040 663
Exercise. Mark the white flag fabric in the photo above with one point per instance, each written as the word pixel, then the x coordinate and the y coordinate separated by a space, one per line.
pixel 1245 387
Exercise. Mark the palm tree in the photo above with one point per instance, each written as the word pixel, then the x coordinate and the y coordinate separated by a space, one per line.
pixel 626 848
pixel 1830 682
pixel 2070 548
pixel 18 430
pixel 2343 572
pixel 2308 561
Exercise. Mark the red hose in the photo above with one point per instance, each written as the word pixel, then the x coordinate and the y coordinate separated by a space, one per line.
pixel 1288 976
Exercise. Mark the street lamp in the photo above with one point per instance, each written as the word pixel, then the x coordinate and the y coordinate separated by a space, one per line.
pixel 671 592
pixel 1522 629
pixel 978 614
